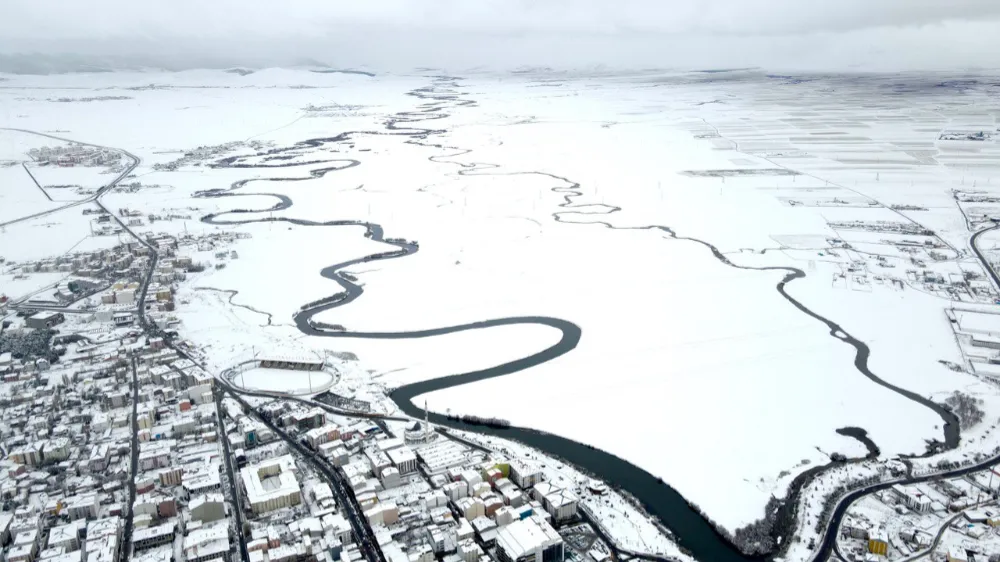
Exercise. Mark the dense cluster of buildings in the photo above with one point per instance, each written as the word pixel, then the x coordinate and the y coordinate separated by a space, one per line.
pixel 209 482
pixel 424 496
pixel 110 437
pixel 98 268
pixel 69 434
pixel 75 155
pixel 107 285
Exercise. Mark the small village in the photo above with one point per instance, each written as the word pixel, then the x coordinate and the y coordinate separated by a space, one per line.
pixel 75 155
pixel 868 256
pixel 955 519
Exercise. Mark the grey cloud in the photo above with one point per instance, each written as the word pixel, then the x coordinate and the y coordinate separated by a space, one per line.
pixel 391 33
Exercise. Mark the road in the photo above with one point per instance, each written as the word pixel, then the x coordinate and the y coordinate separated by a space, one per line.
pixel 35 180
pixel 337 480
pixel 937 538
pixel 135 160
pixel 231 474
pixel 833 528
pixel 95 198
pixel 986 264
pixel 380 419
pixel 134 448
pixel 359 523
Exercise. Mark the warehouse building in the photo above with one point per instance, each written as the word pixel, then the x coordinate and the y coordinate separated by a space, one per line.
pixel 529 540
pixel 45 320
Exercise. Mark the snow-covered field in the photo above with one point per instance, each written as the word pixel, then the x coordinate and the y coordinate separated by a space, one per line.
pixel 699 372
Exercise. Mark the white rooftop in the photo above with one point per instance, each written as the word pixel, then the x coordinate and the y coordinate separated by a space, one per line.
pixel 270 479
pixel 401 455
pixel 978 322
pixel 44 315
pixel 152 532
pixel 521 537
pixel 205 498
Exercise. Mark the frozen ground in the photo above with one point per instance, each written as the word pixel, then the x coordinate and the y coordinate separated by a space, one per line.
pixel 694 370
pixel 19 195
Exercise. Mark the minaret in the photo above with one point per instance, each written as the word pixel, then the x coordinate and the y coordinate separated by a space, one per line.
pixel 427 423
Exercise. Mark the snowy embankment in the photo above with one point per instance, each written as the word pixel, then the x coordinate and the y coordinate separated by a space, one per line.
pixel 618 515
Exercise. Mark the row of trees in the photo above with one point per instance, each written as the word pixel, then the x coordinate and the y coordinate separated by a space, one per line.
pixel 28 344
pixel 966 407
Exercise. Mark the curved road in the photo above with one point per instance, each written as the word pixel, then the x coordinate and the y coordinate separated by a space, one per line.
pixel 979 254
pixel 91 199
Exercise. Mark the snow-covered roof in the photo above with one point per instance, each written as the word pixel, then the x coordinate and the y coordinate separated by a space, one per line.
pixel 22 551
pixel 204 499
pixel 561 498
pixel 401 455
pixel 443 455
pixel 336 522
pixel 525 536
pixel 322 430
pixel 978 322
pixel 386 445
pixel 45 315
pixel 207 541
pixel 75 556
pixel 270 479
pixel 152 532
pixel 63 533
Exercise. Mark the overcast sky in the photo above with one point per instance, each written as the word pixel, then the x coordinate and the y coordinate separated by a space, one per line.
pixel 391 34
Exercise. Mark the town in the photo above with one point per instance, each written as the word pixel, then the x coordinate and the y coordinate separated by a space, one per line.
pixel 121 446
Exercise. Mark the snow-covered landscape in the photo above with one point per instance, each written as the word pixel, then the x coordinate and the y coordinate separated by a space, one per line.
pixel 752 261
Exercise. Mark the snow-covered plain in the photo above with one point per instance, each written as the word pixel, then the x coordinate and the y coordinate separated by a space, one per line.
pixel 694 370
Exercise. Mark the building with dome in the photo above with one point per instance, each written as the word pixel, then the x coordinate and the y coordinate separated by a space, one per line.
pixel 419 431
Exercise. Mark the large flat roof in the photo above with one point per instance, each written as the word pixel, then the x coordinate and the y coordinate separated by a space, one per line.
pixel 274 486
pixel 44 315
pixel 526 535
pixel 152 532
pixel 401 455
pixel 978 322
